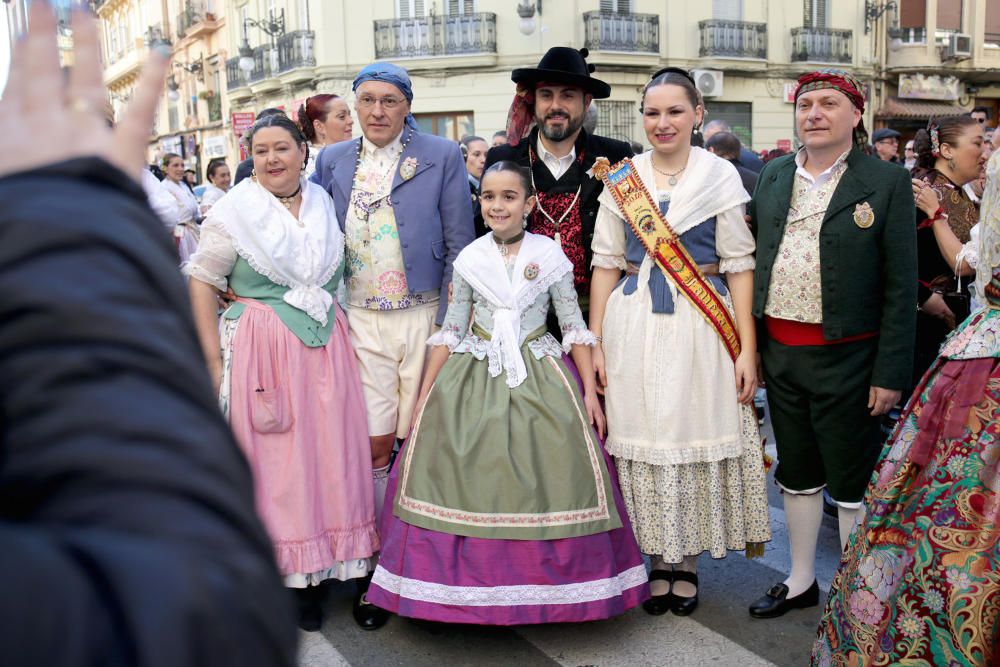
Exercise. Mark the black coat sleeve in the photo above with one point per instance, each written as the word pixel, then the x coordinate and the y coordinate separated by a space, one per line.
pixel 126 508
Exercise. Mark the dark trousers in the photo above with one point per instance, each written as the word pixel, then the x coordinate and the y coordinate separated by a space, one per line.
pixel 818 397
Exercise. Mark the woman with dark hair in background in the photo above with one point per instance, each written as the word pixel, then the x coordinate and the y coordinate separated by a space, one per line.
pixel 474 150
pixel 186 231
pixel 286 373
pixel 949 155
pixel 324 119
pixel 219 179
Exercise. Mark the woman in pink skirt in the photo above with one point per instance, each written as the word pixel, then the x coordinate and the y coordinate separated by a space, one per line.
pixel 287 376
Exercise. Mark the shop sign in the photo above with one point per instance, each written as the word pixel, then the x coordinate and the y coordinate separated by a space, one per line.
pixel 929 87
pixel 171 145
pixel 785 145
pixel 242 121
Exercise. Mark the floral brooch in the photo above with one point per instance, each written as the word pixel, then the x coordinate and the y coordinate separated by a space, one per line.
pixel 531 271
pixel 409 168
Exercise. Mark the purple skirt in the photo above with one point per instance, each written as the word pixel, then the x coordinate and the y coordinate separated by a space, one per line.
pixel 454 579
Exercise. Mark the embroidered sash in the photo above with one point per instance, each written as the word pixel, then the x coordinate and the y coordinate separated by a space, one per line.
pixel 665 247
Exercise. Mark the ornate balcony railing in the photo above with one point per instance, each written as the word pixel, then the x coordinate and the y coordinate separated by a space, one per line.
pixel 639 33
pixel 194 19
pixel 265 63
pixel 296 49
pixel 234 75
pixel 436 36
pixel 733 39
pixel 821 45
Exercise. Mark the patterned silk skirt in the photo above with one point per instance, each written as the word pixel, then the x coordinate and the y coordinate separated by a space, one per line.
pixel 920 581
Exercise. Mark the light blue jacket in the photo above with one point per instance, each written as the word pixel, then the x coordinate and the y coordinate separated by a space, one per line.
pixel 433 209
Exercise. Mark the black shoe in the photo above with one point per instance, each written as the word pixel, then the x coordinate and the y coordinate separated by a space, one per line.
pixel 658 605
pixel 682 606
pixel 776 602
pixel 310 606
pixel 367 615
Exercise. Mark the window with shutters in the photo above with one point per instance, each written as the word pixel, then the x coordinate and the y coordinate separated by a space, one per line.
pixel 815 14
pixel 992 32
pixel 409 9
pixel 949 15
pixel 452 126
pixel 727 10
pixel 460 7
pixel 616 6
pixel 913 21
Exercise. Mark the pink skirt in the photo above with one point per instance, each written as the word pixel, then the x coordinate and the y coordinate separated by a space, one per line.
pixel 299 415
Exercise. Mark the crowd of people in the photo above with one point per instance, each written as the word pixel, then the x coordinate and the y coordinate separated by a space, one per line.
pixel 544 353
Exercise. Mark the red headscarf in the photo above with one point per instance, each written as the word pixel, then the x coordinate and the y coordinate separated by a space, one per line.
pixel 846 83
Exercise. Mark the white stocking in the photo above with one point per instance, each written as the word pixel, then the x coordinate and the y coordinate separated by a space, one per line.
pixel 381 478
pixel 804 514
pixel 846 516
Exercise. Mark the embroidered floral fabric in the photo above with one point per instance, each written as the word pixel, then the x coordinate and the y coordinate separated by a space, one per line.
pixel 466 305
pixel 570 232
pixel 375 275
pixel 918 583
pixel 795 292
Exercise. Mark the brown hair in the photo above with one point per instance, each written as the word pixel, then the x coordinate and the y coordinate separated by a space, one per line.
pixel 949 130
pixel 314 108
pixel 672 76
pixel 167 157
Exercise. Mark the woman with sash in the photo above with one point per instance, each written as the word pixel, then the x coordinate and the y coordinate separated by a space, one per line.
pixel 676 356
pixel 286 372
pixel 506 512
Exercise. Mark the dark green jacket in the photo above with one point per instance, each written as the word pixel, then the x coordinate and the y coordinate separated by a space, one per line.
pixel 869 276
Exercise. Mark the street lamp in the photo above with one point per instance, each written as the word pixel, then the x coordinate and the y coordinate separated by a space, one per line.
pixel 246 56
pixel 526 10
pixel 273 26
pixel 875 10
pixel 172 89
pixel 196 68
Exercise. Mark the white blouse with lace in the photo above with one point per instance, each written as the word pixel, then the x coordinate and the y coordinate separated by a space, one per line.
pixel 467 304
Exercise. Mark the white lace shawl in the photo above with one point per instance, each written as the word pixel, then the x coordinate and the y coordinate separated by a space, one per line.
pixel 302 257
pixel 187 204
pixel 710 187
pixel 482 266
pixel 989 227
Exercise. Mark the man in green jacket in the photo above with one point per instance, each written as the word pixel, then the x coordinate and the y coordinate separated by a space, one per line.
pixel 835 293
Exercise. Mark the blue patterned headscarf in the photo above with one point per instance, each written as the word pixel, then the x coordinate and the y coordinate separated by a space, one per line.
pixel 389 73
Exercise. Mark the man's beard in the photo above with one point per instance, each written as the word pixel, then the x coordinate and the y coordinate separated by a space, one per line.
pixel 552 134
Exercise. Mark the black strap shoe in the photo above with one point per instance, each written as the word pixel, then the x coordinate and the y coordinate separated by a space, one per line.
pixel 657 605
pixel 310 606
pixel 367 615
pixel 776 602
pixel 682 606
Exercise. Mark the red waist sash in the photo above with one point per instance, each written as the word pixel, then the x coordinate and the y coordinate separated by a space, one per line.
pixel 795 334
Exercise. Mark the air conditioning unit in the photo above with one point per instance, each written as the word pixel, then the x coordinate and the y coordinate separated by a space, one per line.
pixel 959 46
pixel 708 81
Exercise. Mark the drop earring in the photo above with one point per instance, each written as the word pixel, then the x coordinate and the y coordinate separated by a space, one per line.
pixel 524 221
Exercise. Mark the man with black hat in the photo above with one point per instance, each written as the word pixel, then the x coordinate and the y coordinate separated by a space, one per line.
pixel 545 133
pixel 886 143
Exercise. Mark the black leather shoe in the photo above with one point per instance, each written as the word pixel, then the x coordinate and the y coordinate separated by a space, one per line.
pixel 776 602
pixel 658 605
pixel 682 606
pixel 367 615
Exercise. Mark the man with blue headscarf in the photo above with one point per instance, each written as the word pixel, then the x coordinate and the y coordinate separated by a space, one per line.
pixel 402 198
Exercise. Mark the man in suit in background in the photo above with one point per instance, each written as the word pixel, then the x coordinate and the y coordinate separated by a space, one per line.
pixel 727 146
pixel 835 288
pixel 747 159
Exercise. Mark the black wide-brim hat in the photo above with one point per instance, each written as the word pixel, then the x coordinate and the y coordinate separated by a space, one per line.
pixel 564 65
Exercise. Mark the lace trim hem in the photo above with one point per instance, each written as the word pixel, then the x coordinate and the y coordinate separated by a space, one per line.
pixel 259 267
pixel 737 264
pixel 674 454
pixel 510 596
pixel 341 571
pixel 608 262
pixel 198 273
pixel 541 347
pixel 578 337
pixel 444 337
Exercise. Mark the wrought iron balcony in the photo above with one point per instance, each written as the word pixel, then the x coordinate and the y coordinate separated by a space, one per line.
pixel 821 45
pixel 296 49
pixel 265 63
pixel 234 75
pixel 194 20
pixel 636 33
pixel 733 39
pixel 436 36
